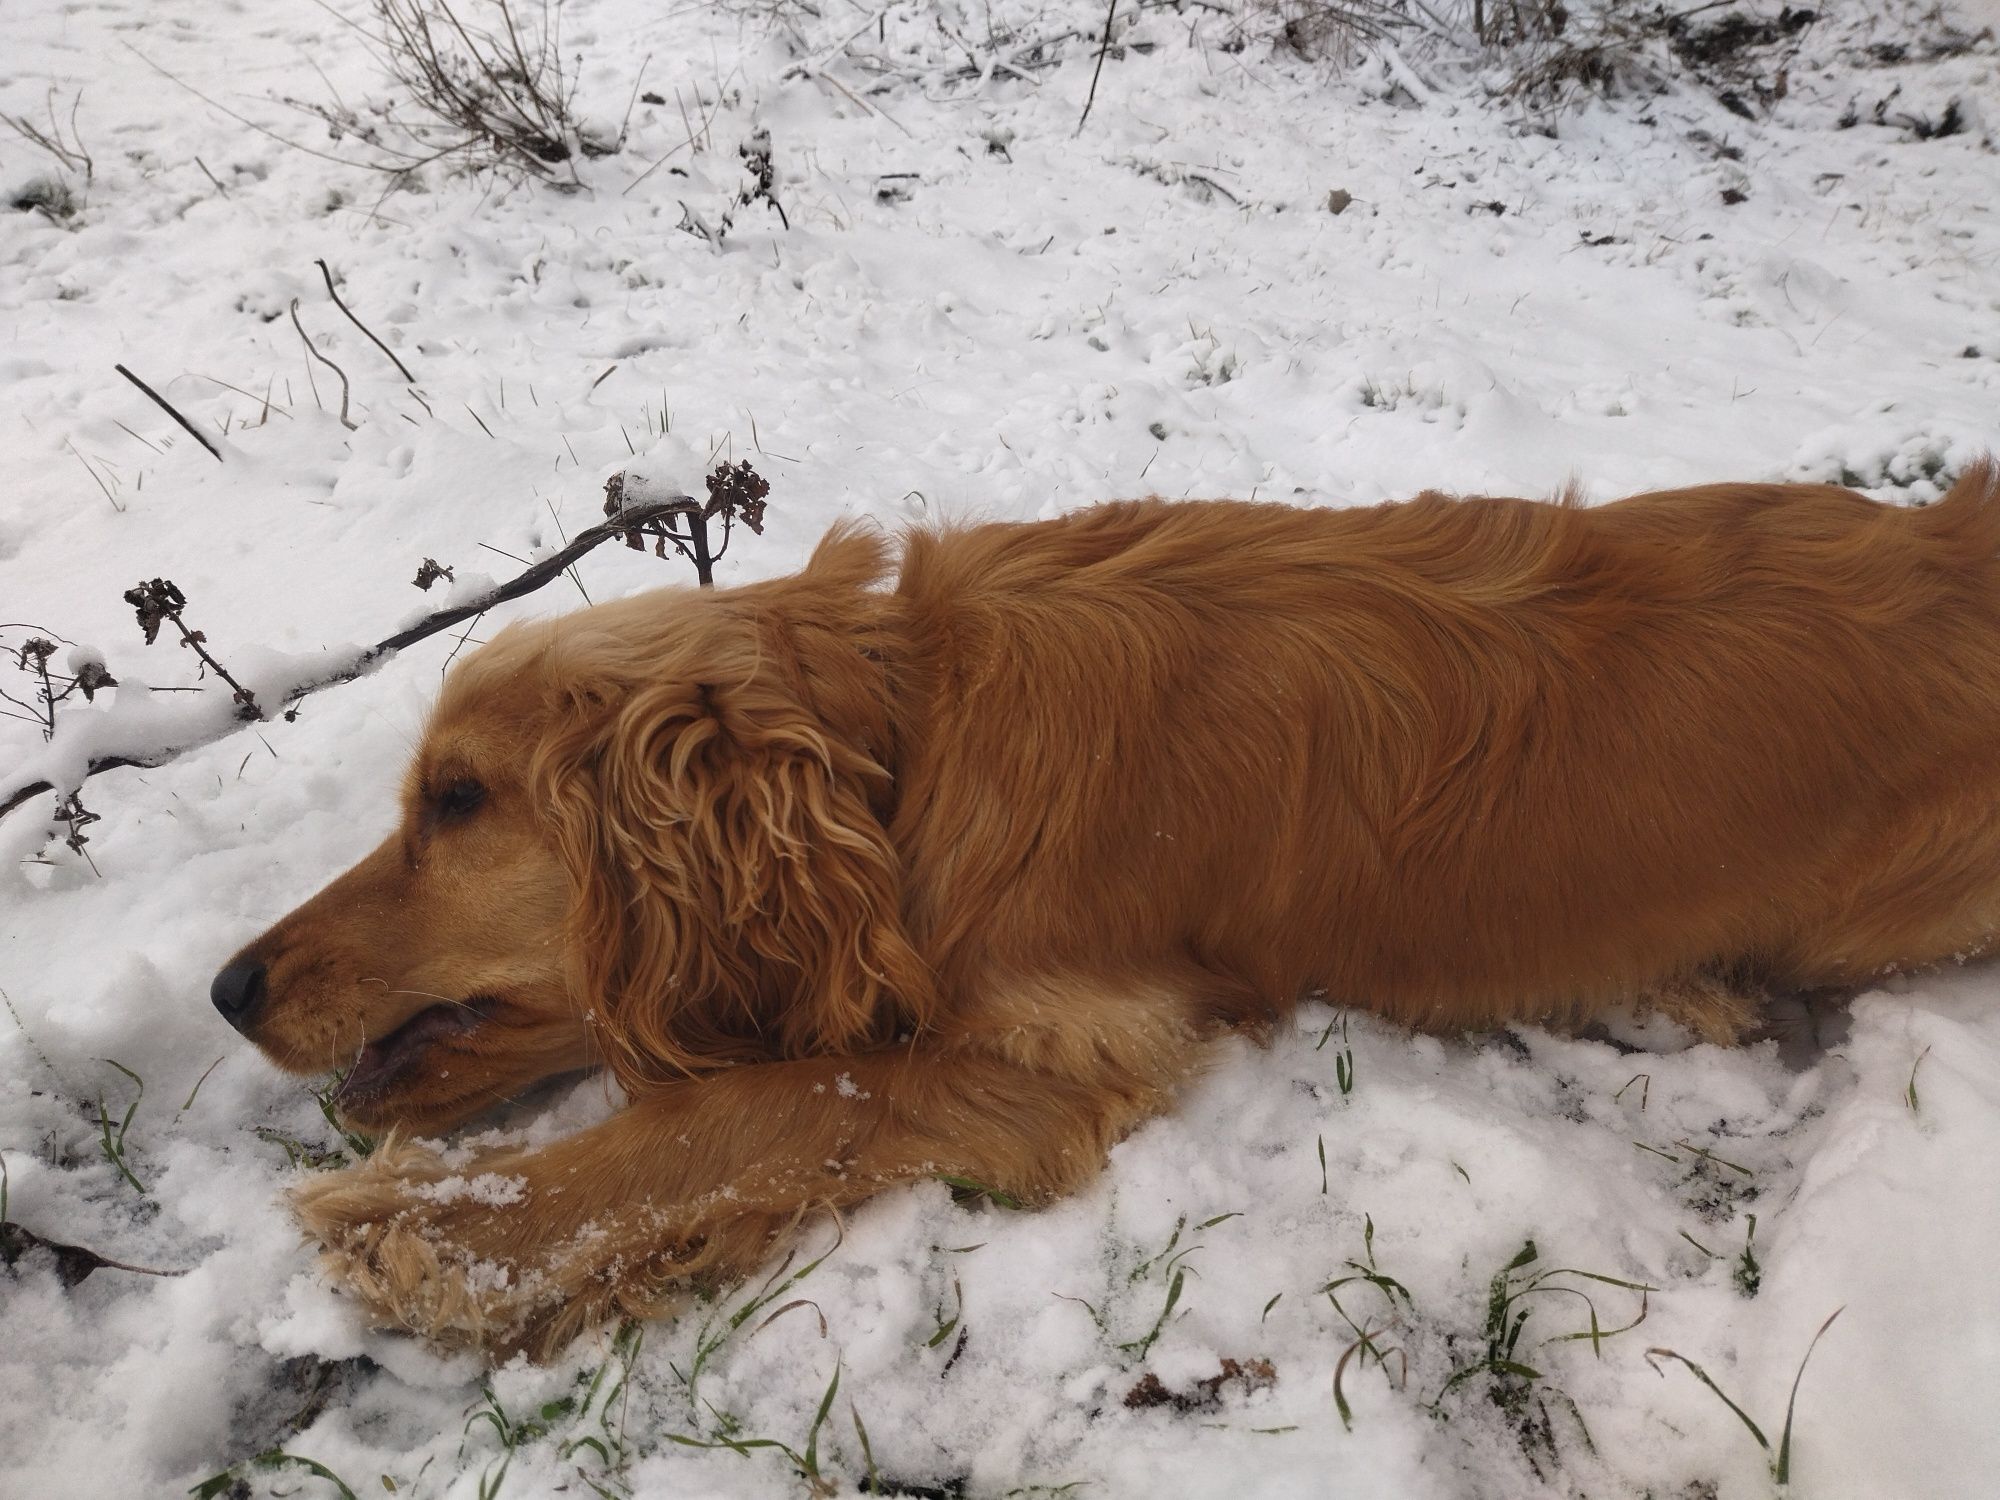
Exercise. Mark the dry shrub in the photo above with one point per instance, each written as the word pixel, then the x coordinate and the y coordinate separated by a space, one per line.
pixel 1552 54
pixel 483 82
pixel 1342 30
pixel 1742 54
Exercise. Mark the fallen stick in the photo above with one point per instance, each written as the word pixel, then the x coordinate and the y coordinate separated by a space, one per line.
pixel 525 582
pixel 167 407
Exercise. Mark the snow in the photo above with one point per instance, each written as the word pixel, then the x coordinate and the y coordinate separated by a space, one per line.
pixel 670 470
pixel 977 311
pixel 484 1187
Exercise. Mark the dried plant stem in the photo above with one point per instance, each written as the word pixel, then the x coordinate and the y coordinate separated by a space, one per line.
pixel 314 352
pixel 34 1046
pixel 403 368
pixel 1110 14
pixel 48 698
pixel 195 638
pixel 70 153
pixel 244 119
pixel 525 582
pixel 167 407
pixel 92 472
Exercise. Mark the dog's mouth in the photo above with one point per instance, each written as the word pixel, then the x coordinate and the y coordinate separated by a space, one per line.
pixel 393 1057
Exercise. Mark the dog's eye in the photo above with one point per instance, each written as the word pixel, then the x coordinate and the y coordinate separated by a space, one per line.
pixel 460 798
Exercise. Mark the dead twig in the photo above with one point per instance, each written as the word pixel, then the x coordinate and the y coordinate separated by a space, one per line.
pixel 167 407
pixel 314 352
pixel 244 119
pixel 160 602
pixel 33 658
pixel 526 582
pixel 71 152
pixel 400 366
pixel 1110 14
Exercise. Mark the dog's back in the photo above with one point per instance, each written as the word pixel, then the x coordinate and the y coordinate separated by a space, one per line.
pixel 1458 759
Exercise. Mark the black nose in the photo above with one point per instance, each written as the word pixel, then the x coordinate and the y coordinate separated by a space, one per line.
pixel 238 991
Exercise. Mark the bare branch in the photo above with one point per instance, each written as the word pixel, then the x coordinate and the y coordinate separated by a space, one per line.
pixel 367 661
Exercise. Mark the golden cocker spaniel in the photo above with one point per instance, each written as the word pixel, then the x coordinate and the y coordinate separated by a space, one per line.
pixel 948 863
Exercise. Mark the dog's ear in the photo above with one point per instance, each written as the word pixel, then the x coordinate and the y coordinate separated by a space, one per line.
pixel 736 894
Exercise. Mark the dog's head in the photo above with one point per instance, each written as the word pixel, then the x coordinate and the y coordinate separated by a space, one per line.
pixel 648 835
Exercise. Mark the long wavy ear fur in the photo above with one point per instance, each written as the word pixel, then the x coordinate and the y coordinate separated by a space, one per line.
pixel 737 895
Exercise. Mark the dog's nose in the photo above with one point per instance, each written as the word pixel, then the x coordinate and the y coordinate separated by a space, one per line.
pixel 238 991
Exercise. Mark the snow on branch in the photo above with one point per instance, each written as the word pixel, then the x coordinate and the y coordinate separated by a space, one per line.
pixel 154 740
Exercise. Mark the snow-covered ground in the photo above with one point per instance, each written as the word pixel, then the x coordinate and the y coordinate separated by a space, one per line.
pixel 976 310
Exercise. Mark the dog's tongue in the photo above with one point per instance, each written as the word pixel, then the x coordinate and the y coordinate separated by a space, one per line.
pixel 385 1058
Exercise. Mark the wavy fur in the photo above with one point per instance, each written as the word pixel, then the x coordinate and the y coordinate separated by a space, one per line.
pixel 737 895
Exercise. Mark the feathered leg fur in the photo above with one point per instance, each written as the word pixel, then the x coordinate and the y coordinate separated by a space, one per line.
pixel 694 1181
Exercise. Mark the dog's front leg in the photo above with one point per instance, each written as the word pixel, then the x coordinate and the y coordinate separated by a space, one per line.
pixel 696 1182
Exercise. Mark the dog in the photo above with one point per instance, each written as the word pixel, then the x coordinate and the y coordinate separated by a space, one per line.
pixel 949 858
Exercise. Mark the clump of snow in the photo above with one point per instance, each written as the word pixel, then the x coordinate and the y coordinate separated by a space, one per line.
pixel 670 470
pixel 79 660
pixel 493 1189
pixel 976 312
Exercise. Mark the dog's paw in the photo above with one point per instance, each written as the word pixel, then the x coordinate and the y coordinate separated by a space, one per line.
pixel 503 1254
pixel 458 1255
pixel 518 1251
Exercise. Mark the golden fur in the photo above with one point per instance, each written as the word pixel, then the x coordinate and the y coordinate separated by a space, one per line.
pixel 873 873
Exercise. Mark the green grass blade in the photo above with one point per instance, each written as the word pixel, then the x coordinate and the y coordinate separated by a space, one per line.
pixel 744 1446
pixel 968 1190
pixel 277 1458
pixel 1782 1470
pixel 867 1451
pixel 1340 1397
pixel 1704 1377
pixel 1630 1286
pixel 819 1421
pixel 197 1088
